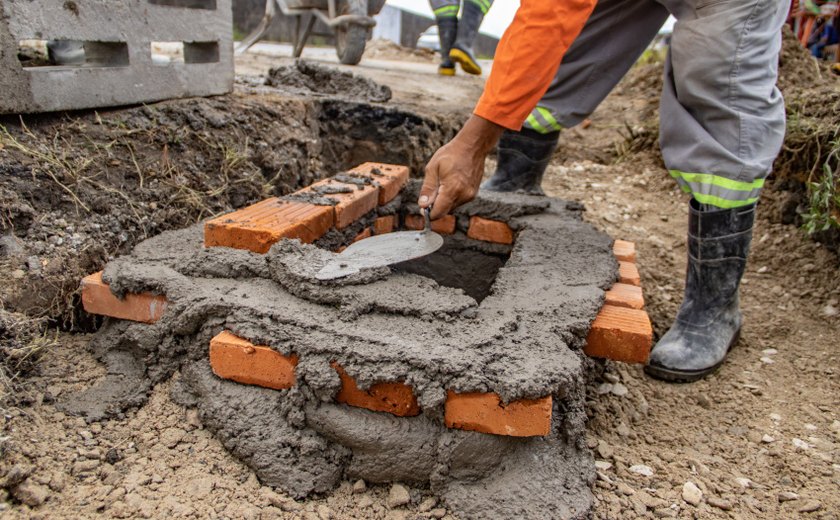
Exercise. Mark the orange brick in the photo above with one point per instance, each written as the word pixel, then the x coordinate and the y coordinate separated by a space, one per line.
pixel 384 224
pixel 365 233
pixel 444 225
pixel 237 359
pixel 484 412
pixel 628 273
pixel 620 334
pixel 257 227
pixel 391 178
pixel 394 398
pixel 490 231
pixel 351 205
pixel 624 295
pixel 624 250
pixel 97 298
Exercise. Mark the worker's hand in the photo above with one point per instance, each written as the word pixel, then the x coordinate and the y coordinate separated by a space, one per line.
pixel 454 172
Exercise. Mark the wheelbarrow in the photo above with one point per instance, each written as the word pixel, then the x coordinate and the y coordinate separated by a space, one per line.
pixel 350 20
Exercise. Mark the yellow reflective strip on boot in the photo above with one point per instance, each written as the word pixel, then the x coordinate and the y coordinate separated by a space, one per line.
pixel 484 5
pixel 467 64
pixel 446 11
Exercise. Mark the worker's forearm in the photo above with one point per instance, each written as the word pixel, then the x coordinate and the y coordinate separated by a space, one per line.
pixel 528 56
pixel 479 136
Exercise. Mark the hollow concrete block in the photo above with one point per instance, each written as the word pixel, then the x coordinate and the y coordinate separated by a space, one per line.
pixel 118 40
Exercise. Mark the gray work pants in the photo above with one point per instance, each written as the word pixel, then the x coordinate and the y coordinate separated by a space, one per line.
pixel 722 119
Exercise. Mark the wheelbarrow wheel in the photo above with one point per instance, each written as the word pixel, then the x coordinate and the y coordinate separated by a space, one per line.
pixel 350 39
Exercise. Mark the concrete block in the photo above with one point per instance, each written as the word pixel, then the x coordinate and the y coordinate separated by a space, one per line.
pixel 118 37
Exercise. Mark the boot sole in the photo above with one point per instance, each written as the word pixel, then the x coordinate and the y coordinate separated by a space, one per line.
pixel 467 64
pixel 675 375
pixel 446 71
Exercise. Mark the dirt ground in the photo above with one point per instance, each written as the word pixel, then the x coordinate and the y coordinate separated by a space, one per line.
pixel 760 439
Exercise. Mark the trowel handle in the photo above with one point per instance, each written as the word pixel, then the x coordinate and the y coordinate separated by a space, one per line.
pixel 427 219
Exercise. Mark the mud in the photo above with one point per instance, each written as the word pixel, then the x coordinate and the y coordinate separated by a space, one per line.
pixel 310 79
pixel 78 188
pixel 435 324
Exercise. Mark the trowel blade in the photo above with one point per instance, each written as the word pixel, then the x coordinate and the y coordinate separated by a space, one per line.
pixel 379 251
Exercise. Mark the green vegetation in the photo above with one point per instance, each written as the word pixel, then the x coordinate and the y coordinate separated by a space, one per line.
pixel 824 196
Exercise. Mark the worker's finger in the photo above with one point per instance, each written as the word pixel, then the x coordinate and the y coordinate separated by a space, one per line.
pixel 445 202
pixel 429 190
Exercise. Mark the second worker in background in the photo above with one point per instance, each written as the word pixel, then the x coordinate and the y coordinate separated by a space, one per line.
pixel 458 36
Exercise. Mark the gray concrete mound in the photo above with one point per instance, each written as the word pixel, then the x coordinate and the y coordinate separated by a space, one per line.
pixel 473 317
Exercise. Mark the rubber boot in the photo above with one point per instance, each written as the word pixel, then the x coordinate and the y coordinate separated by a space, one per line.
pixel 462 49
pixel 708 323
pixel 447 31
pixel 522 159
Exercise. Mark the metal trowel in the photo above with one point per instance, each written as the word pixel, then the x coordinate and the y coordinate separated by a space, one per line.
pixel 382 250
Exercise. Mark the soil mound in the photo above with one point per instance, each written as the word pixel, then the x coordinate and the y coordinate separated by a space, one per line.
pixel 311 79
pixel 382 49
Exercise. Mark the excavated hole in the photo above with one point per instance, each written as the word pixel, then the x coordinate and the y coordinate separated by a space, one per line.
pixel 459 266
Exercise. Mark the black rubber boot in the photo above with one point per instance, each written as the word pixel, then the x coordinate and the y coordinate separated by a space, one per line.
pixel 708 323
pixel 462 49
pixel 447 32
pixel 522 159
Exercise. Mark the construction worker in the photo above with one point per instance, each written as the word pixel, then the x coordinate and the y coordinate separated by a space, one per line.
pixel 457 37
pixel 722 123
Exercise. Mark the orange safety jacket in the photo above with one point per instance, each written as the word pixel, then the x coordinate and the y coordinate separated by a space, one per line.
pixel 527 58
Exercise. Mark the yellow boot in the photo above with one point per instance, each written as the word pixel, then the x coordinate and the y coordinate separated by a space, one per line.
pixel 468 62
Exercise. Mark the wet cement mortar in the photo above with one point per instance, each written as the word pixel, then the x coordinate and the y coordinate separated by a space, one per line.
pixel 523 340
pixel 311 79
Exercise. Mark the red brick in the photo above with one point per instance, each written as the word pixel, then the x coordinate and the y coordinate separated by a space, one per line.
pixel 444 225
pixel 394 398
pixel 624 251
pixel 365 233
pixel 490 231
pixel 258 227
pixel 390 177
pixel 484 412
pixel 624 295
pixel 384 224
pixel 351 205
pixel 628 273
pixel 97 298
pixel 620 334
pixel 237 359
